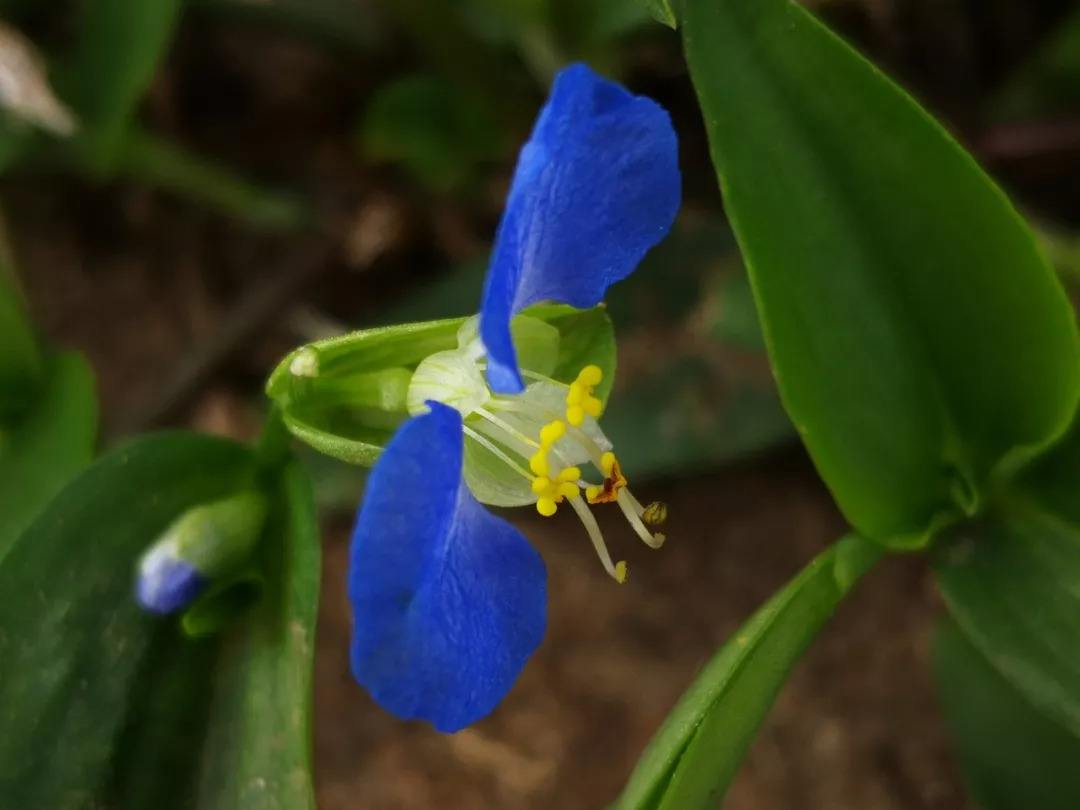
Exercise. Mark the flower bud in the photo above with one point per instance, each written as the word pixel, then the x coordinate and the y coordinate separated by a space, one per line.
pixel 206 543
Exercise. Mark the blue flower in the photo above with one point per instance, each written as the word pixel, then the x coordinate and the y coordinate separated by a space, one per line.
pixel 166 583
pixel 449 601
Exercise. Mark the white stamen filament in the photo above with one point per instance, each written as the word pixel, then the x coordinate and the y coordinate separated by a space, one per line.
pixel 510 429
pixel 495 451
pixel 593 528
pixel 632 509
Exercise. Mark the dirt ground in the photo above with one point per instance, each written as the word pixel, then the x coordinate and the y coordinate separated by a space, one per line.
pixel 855 729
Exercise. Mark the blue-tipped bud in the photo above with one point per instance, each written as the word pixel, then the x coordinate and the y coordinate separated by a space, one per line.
pixel 205 543
pixel 165 583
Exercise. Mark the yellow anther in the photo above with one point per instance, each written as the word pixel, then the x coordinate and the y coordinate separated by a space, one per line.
pixel 607 463
pixel 590 375
pixel 569 489
pixel 551 491
pixel 621 571
pixel 539 463
pixel 552 432
pixel 579 398
pixel 593 491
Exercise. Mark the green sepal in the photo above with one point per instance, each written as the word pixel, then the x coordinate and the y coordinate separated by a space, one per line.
pixel 345 396
pixel 223 602
pixel 219 536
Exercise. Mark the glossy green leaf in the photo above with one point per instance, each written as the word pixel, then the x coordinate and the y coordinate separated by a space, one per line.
pixel 919 340
pixel 47 446
pixel 332 392
pixel 1013 586
pixel 132 714
pixel 1014 758
pixel 121 44
pixel 692 759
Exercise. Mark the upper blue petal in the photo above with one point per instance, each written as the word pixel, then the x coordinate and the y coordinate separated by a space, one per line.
pixel 448 600
pixel 595 187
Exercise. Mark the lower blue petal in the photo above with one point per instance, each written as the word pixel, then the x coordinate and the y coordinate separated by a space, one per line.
pixel 596 186
pixel 448 600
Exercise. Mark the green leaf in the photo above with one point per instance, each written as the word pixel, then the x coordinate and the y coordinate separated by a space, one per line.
pixel 131 713
pixel 662 12
pixel 692 759
pixel 436 129
pixel 332 392
pixel 52 441
pixel 22 365
pixel 1013 587
pixel 121 43
pixel 919 339
pixel 1014 758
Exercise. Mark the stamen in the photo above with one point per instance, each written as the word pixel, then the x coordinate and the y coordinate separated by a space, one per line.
pixel 508 428
pixel 480 439
pixel 580 400
pixel 615 571
pixel 632 516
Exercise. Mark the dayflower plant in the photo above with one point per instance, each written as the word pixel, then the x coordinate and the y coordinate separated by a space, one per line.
pixel 450 600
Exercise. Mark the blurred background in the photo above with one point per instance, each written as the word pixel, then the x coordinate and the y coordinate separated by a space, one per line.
pixel 248 175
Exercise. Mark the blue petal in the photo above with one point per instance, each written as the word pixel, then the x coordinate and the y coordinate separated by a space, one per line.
pixel 595 187
pixel 449 601
pixel 166 584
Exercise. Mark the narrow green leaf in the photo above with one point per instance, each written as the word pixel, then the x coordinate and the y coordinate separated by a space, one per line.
pixel 121 43
pixel 1013 587
pixel 692 759
pixel 919 339
pixel 132 714
pixel 1014 758
pixel 49 444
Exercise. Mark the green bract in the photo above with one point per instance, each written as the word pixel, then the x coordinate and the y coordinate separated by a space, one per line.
pixel 345 396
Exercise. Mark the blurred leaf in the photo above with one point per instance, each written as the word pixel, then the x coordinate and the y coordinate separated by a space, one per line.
pixel 692 759
pixel 346 24
pixel 158 163
pixel 1049 83
pixel 53 441
pixel 919 340
pixel 121 43
pixel 22 365
pixel 438 130
pixel 133 715
pixel 1013 587
pixel 1013 757
pixel 662 12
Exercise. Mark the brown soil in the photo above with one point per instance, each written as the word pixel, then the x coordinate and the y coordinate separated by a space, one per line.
pixel 856 727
